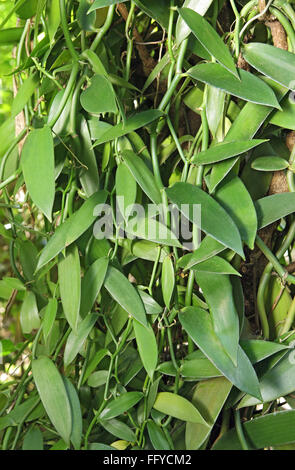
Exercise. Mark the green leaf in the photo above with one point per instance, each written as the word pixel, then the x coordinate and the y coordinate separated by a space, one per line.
pixel 29 316
pixel 156 9
pixel 147 347
pixel 53 395
pixel 214 108
pixel 49 318
pixel 206 250
pixel 257 350
pixel 33 439
pixel 276 382
pixel 125 294
pixel 233 196
pixel 76 434
pixel 104 3
pixel 89 176
pixel 91 284
pixel 209 397
pixel 209 38
pixel 126 188
pixel 120 405
pixel 249 87
pixel 38 168
pixel 75 340
pixel 274 62
pixel 119 429
pixel 98 378
pixel 53 18
pixel 215 221
pixel 142 175
pixel 198 324
pixel 102 102
pixel 182 29
pixel 93 363
pixel 134 122
pixel 270 430
pixel 24 93
pixel 224 150
pixel 151 229
pixel 69 278
pixel 86 21
pixel 274 207
pixel 151 306
pixel 271 163
pixel 178 407
pixel 196 365
pixel 286 117
pixel 72 228
pixel 215 265
pixel 218 293
pixel 168 280
pixel 157 436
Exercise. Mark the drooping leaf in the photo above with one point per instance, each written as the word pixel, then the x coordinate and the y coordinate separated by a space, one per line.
pixel 209 38
pixel 29 316
pixel 91 284
pixel 147 346
pixel 178 407
pixel 69 278
pixel 214 220
pixel 125 294
pixel 168 280
pixel 75 340
pixel 274 207
pixel 53 395
pixel 77 424
pixel 38 168
pixel 198 325
pixel 249 87
pixel 224 150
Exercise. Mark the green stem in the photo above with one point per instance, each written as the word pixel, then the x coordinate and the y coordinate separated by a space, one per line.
pixel 240 431
pixel 104 29
pixel 64 25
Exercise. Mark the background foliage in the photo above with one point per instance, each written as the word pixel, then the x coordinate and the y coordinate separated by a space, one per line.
pixel 142 344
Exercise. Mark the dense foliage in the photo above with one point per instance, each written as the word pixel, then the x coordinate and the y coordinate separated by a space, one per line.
pixel 138 337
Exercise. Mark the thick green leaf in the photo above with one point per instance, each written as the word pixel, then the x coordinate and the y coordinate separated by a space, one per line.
pixel 134 122
pixel 286 117
pixel 72 228
pixel 152 230
pixel 215 221
pixel 274 207
pixel 224 150
pixel 178 407
pixel 29 408
pixel 119 429
pixel 218 293
pixel 209 38
pixel 75 340
pixel 126 188
pixel 214 108
pixel 147 347
pixel 91 284
pixel 38 168
pixel 257 350
pixel 89 176
pixel 93 363
pixel 168 280
pixel 53 395
pixel 156 9
pixel 29 316
pixel 157 436
pixel 33 439
pixel 271 163
pixel 274 62
pixel 77 424
pixel 69 278
pixel 98 378
pixel 215 265
pixel 249 87
pixel 206 250
pixel 49 317
pixel 199 326
pixel 209 397
pixel 276 383
pixel 233 196
pixel 198 366
pixel 142 175
pixel 270 430
pixel 120 405
pixel 125 294
pixel 99 97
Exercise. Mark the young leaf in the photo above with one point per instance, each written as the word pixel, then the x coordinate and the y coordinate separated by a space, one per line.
pixel 76 434
pixel 53 395
pixel 120 405
pixel 37 163
pixel 178 407
pixel 215 221
pixel 91 284
pixel 72 228
pixel 182 29
pixel 168 280
pixel 224 150
pixel 249 87
pixel 209 38
pixel 49 317
pixel 198 325
pixel 271 163
pixel 69 278
pixel 125 294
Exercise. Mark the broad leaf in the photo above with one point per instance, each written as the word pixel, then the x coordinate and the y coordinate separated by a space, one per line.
pixel 120 405
pixel 274 207
pixel 178 407
pixel 224 150
pixel 271 163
